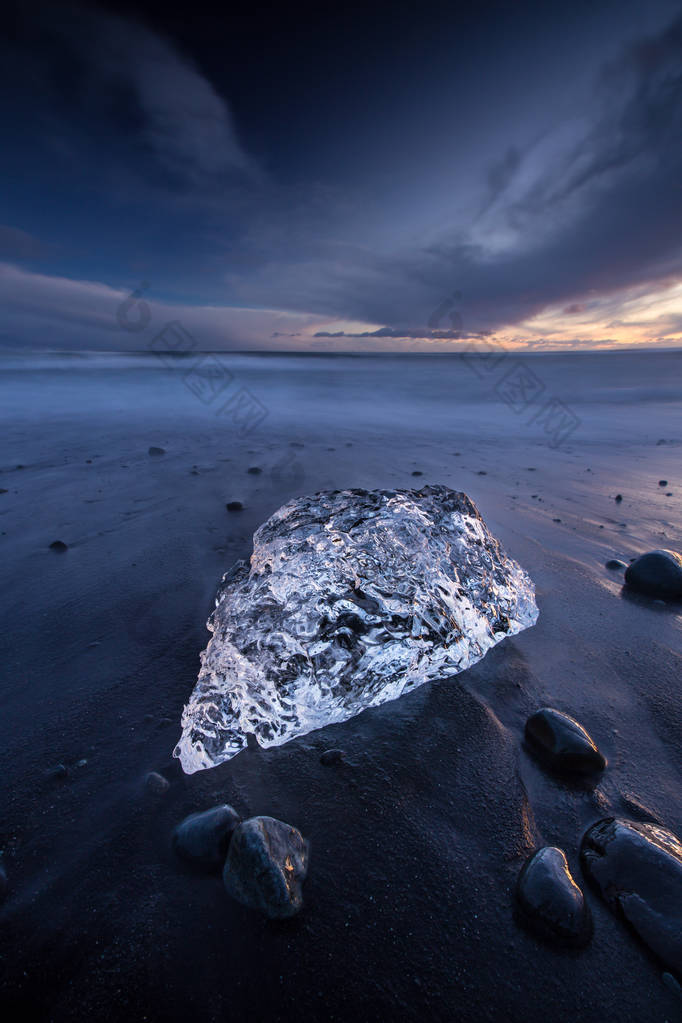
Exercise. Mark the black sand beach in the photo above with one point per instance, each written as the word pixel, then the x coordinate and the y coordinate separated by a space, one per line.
pixel 418 837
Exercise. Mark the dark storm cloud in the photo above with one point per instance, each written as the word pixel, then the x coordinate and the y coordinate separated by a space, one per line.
pixel 134 157
pixel 108 87
pixel 602 211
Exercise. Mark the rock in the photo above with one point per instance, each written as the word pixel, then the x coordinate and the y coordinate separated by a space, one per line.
pixel 658 574
pixel 234 506
pixel 637 868
pixel 156 783
pixel 663 483
pixel 672 983
pixel 556 520
pixel 331 757
pixel 562 743
pixel 615 565
pixel 267 862
pixel 255 470
pixel 618 498
pixel 351 598
pixel 157 451
pixel 202 838
pixel 3 490
pixel 59 772
pixel 59 545
pixel 549 900
pixel 417 472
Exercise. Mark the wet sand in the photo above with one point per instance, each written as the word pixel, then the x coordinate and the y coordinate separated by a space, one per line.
pixel 417 840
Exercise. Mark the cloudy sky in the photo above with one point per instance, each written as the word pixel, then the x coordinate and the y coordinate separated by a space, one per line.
pixel 388 176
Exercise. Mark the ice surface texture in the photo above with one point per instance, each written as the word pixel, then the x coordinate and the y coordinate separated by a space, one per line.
pixel 351 599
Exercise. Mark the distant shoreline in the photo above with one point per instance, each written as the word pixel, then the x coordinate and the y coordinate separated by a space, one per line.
pixel 292 353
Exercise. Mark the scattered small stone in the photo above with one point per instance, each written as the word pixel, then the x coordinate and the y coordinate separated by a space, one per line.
pixel 659 442
pixel 658 574
pixel 59 545
pixel 671 983
pixel 203 838
pixel 556 520
pixel 663 483
pixel 549 900
pixel 3 490
pixel 267 862
pixel 669 493
pixel 618 498
pixel 81 763
pixel 531 468
pixel 234 506
pixel 417 472
pixel 616 565
pixel 637 869
pixel 20 467
pixel 332 756
pixel 88 461
pixel 254 470
pixel 157 451
pixel 96 642
pixel 481 472
pixel 59 772
pixel 562 742
pixel 156 783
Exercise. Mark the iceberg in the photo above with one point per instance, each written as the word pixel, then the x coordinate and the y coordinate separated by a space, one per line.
pixel 351 598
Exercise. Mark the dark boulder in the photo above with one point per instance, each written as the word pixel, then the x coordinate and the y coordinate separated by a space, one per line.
pixel 658 574
pixel 616 565
pixel 202 839
pixel 637 868
pixel 562 743
pixel 59 545
pixel 157 451
pixel 233 506
pixel 266 864
pixel 550 902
